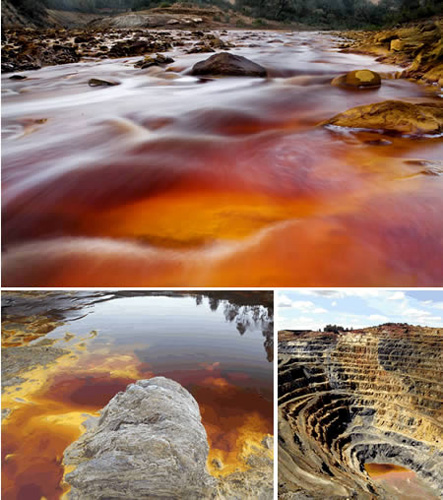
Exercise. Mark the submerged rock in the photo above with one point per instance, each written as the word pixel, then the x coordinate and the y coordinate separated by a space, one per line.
pixel 199 49
pixel 359 79
pixel 393 116
pixel 149 442
pixel 149 61
pixel 225 64
pixel 96 82
pixel 17 362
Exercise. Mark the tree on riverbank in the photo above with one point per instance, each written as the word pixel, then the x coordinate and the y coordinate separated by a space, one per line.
pixel 341 13
pixel 322 14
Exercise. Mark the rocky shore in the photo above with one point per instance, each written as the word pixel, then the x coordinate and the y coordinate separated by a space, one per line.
pixel 418 48
pixel 149 442
pixel 27 50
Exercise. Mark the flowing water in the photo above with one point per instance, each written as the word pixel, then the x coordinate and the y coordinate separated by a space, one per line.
pixel 169 180
pixel 219 349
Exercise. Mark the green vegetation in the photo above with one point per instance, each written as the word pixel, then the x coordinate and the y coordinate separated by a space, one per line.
pixel 336 329
pixel 31 8
pixel 328 14
pixel 341 13
pixel 259 23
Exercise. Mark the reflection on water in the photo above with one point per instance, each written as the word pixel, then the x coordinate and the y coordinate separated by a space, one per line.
pixel 167 182
pixel 401 483
pixel 217 348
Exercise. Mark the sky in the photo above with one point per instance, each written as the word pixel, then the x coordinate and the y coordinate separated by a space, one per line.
pixel 358 308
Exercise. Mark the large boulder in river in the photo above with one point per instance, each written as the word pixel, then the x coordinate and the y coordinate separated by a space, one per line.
pixel 226 64
pixel 358 79
pixel 149 442
pixel 393 116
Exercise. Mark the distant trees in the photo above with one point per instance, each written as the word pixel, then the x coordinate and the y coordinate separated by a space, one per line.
pixel 417 9
pixel 122 5
pixel 89 5
pixel 341 13
pixel 332 14
pixel 334 328
pixel 32 9
pixel 337 328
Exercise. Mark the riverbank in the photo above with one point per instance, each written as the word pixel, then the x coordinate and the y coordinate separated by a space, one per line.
pixel 418 48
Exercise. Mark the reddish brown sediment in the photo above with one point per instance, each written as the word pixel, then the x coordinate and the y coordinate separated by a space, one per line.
pixel 51 387
pixel 51 419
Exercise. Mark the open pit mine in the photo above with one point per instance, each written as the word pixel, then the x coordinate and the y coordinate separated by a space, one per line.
pixel 360 413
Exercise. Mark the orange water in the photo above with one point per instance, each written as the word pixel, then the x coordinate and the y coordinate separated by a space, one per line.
pixel 137 338
pixel 400 482
pixel 176 183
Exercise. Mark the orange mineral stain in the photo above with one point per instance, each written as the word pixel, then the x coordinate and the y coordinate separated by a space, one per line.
pixel 378 470
pixel 400 482
pixel 47 411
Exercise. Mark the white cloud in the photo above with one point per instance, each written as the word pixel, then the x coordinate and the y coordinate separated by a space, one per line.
pixel 300 323
pixel 284 301
pixel 342 293
pixel 307 306
pixel 373 306
pixel 396 296
pixel 379 318
pixel 434 305
pixel 416 312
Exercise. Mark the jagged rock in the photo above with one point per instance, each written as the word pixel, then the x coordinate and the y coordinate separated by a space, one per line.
pixel 217 43
pixel 420 44
pixel 96 82
pixel 149 442
pixel 351 398
pixel 149 61
pixel 130 48
pixel 396 44
pixel 225 64
pixel 200 49
pixel 359 79
pixel 393 116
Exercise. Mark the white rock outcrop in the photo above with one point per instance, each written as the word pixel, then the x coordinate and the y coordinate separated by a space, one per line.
pixel 148 443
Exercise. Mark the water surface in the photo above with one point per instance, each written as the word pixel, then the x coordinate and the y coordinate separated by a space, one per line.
pixel 167 180
pixel 400 482
pixel 220 350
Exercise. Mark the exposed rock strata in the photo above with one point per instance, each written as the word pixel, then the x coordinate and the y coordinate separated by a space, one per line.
pixel 149 442
pixel 418 48
pixel 363 396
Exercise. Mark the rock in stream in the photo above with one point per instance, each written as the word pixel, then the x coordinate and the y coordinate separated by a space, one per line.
pixel 149 442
